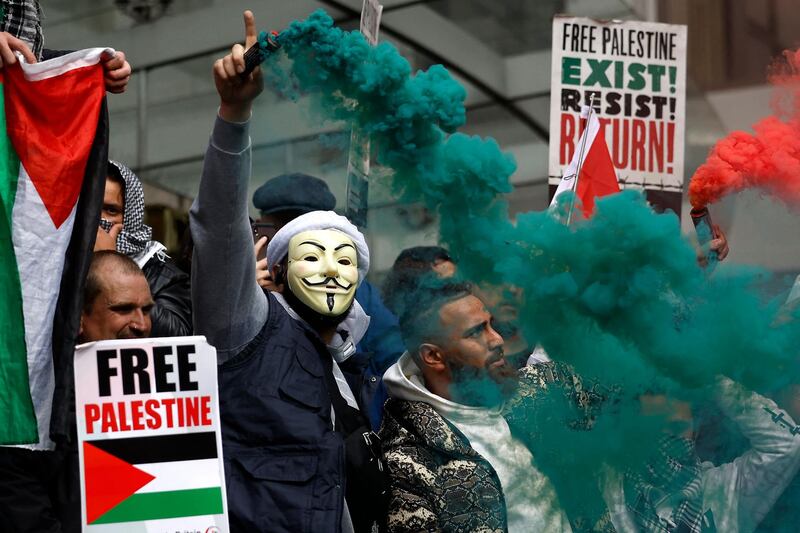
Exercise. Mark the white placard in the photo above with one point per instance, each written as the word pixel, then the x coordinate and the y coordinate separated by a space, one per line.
pixel 149 440
pixel 359 157
pixel 637 74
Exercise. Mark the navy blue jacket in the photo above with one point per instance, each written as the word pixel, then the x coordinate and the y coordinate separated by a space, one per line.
pixel 284 464
pixel 380 348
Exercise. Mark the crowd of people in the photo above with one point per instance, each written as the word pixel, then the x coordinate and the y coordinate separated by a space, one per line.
pixel 345 407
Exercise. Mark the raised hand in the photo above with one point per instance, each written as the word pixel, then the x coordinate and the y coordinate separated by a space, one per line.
pixel 236 92
pixel 720 243
pixel 107 240
pixel 263 275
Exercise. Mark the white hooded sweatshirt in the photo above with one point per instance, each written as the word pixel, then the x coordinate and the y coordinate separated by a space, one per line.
pixel 531 501
pixel 740 493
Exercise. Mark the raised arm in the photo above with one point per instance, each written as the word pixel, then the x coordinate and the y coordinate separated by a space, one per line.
pixel 745 489
pixel 229 307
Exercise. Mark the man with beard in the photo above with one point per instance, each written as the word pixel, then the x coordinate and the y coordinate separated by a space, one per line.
pixel 454 464
pixel 502 301
pixel 296 446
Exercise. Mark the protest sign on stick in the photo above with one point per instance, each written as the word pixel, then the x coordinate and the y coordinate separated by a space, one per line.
pixel 636 72
pixel 370 25
pixel 359 156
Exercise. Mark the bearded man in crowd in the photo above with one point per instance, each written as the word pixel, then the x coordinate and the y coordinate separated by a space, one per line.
pixel 453 461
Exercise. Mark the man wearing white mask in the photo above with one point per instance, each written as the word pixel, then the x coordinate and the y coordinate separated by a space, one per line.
pixel 298 452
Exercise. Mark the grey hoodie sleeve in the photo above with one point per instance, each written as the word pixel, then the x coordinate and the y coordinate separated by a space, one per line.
pixel 742 492
pixel 229 307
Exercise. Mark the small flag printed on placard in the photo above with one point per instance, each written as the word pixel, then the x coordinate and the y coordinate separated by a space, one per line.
pixel 151 478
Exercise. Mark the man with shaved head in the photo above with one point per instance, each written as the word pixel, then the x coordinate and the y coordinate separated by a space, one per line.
pixel 117 300
pixel 41 488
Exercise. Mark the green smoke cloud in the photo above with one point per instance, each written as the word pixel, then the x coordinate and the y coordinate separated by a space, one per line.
pixel 619 296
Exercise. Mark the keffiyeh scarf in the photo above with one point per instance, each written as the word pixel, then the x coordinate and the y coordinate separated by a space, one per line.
pixel 666 496
pixel 22 19
pixel 135 235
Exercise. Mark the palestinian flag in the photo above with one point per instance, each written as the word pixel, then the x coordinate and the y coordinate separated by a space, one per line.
pixel 151 478
pixel 597 175
pixel 53 145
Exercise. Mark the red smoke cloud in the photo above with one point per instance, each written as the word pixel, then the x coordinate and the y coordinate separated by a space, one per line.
pixel 769 158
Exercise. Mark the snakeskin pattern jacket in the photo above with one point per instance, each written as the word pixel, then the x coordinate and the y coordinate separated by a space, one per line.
pixel 439 482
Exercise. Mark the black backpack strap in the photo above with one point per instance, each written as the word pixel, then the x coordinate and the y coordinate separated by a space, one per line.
pixel 348 419
pixel 366 482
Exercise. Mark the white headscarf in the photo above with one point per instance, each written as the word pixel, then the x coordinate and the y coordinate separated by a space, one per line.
pixel 278 246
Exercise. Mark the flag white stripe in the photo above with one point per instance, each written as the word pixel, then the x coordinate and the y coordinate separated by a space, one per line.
pixel 181 475
pixel 62 64
pixel 40 249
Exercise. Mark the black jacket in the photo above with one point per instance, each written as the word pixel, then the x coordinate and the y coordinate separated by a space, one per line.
pixel 169 285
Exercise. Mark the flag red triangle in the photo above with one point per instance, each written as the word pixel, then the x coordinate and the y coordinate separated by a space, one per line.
pixel 109 480
pixel 598 177
pixel 52 124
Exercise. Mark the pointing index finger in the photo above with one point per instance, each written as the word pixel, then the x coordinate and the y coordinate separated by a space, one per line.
pixel 250 34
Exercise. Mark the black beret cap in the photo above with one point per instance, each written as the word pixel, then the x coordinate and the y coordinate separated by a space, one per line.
pixel 293 192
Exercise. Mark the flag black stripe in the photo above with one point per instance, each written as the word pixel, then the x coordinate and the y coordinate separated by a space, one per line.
pixel 161 449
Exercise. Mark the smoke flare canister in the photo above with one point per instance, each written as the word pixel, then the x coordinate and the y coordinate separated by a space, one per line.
pixel 255 55
pixel 702 224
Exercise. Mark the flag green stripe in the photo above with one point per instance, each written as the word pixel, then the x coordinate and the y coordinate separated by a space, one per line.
pixel 17 417
pixel 160 505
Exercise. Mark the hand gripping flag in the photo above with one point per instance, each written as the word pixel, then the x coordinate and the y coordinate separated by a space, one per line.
pixel 53 157
pixel 597 175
